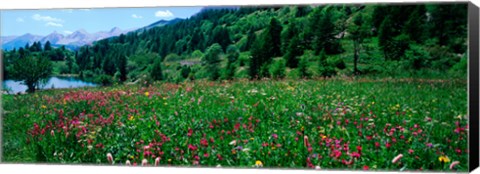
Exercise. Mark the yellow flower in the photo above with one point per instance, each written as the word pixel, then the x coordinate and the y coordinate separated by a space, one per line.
pixel 273 147
pixel 147 94
pixel 130 118
pixel 323 137
pixel 169 160
pixel 252 138
pixel 444 159
pixel 43 106
pixel 303 128
pixel 258 163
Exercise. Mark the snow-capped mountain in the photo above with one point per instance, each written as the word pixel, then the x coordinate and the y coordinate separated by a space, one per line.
pixel 76 39
pixel 53 37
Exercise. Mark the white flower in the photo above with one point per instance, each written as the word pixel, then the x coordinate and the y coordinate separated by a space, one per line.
pixel 317 168
pixel 233 142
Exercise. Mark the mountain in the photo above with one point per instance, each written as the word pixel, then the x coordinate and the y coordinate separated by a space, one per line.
pixel 161 23
pixel 79 37
pixel 71 41
pixel 5 39
pixel 52 38
pixel 21 41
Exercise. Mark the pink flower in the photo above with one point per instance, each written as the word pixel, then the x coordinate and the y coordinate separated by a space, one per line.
pixel 365 167
pixel 355 155
pixel 157 161
pixel 453 164
pixel 305 141
pixel 410 151
pixel 397 158
pixel 144 162
pixel 275 136
pixel 110 158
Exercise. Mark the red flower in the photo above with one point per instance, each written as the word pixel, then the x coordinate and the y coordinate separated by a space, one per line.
pixel 365 168
pixel 388 145
pixel 192 147
pixel 206 155
pixel 190 131
pixel 204 142
pixel 377 144
pixel 355 154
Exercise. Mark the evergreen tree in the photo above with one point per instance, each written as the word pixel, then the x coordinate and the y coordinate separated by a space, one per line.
pixel 294 50
pixel 212 61
pixel 48 46
pixel 156 71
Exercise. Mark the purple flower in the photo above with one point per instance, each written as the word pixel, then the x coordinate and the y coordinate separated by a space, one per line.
pixel 429 144
pixel 275 136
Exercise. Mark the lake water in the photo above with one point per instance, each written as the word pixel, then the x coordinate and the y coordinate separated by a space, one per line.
pixel 53 82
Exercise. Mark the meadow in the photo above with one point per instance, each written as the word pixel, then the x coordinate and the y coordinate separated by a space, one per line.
pixel 354 124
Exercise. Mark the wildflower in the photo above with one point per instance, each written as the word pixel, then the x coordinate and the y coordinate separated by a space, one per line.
pixel 275 136
pixel 444 159
pixel 128 163
pixel 454 164
pixel 410 151
pixel 157 161
pixel 317 168
pixel 52 133
pixel 147 94
pixel 110 158
pixel 397 158
pixel 429 145
pixel 144 162
pixel 252 139
pixel 44 107
pixel 365 167
pixel 355 154
pixel 233 142
pixel 258 163
pixel 219 166
pixel 305 141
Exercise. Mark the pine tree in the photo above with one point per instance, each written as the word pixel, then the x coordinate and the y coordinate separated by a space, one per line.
pixel 156 71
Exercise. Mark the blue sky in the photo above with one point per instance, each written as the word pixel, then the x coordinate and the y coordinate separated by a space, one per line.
pixel 44 22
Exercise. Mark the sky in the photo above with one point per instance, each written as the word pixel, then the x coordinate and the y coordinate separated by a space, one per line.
pixel 65 21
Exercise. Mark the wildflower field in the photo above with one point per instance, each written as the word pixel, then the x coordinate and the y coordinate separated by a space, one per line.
pixel 362 124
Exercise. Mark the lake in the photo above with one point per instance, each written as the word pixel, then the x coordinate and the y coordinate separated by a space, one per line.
pixel 53 82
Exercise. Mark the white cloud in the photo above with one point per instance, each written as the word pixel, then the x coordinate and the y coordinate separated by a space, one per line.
pixel 38 17
pixel 85 9
pixel 137 16
pixel 53 24
pixel 67 32
pixel 164 14
pixel 20 20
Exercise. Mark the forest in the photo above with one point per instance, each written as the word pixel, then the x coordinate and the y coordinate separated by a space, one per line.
pixel 376 40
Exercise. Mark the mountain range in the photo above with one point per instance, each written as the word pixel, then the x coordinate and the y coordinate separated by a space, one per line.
pixel 73 40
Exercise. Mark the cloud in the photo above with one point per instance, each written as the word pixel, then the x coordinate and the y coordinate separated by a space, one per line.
pixel 164 14
pixel 38 17
pixel 20 20
pixel 85 9
pixel 53 24
pixel 67 32
pixel 137 16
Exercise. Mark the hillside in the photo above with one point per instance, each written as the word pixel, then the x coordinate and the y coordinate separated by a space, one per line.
pixel 285 42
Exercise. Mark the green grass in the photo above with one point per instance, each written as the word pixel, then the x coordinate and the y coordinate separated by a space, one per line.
pixel 268 120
